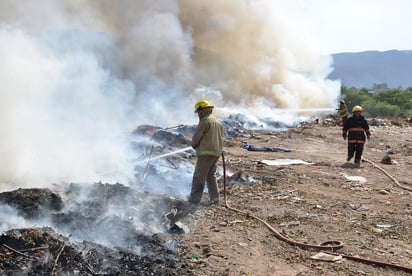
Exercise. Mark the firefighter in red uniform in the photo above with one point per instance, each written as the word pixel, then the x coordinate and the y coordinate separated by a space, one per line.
pixel 354 130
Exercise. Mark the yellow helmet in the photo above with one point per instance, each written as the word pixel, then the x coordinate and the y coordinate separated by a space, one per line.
pixel 202 104
pixel 357 108
pixel 342 101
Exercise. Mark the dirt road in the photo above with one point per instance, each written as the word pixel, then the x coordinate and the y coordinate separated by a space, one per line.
pixel 327 199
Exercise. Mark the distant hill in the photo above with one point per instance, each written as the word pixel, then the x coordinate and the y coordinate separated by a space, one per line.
pixel 364 69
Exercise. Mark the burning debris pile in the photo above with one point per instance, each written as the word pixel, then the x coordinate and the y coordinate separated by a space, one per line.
pixel 163 166
pixel 108 229
pixel 171 169
pixel 127 231
pixel 240 124
pixel 41 251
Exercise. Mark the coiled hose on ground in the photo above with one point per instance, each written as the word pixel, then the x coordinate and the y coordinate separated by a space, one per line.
pixel 328 247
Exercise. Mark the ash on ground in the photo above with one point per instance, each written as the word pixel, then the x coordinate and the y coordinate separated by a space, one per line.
pixel 107 231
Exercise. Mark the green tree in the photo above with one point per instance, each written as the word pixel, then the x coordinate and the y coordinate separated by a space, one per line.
pixel 375 108
pixel 354 97
pixel 395 97
pixel 387 103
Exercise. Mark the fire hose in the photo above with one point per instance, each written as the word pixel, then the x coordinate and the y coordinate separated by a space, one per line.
pixel 388 175
pixel 327 247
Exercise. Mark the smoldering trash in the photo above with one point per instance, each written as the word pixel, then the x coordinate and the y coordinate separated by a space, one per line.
pixel 97 236
pixel 98 228
pixel 107 228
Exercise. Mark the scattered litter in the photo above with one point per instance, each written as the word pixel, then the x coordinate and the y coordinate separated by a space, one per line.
pixel 387 160
pixel 383 192
pixel 236 221
pixel 267 149
pixel 283 162
pixel 290 223
pixel 179 228
pixel 386 225
pixel 363 208
pixel 240 178
pixel 321 256
pixel 360 207
pixel 355 178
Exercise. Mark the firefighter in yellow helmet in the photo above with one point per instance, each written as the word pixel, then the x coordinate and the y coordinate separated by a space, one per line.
pixel 354 130
pixel 343 111
pixel 208 143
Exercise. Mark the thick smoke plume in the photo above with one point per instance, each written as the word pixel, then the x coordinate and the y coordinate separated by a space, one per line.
pixel 78 76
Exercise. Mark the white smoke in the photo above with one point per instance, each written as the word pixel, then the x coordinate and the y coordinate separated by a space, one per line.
pixel 10 218
pixel 78 76
pixel 64 115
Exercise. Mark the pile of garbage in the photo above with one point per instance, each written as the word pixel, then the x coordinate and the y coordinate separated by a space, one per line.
pixel 109 229
pixel 41 251
pixel 85 236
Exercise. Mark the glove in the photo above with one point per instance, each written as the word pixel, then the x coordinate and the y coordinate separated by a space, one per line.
pixel 344 136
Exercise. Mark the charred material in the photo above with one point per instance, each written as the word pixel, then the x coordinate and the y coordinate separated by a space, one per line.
pixel 125 220
pixel 32 202
pixel 44 252
pixel 179 136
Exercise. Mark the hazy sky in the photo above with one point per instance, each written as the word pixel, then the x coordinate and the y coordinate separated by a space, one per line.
pixel 353 25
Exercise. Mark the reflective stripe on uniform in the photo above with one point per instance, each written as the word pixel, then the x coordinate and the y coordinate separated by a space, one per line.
pixel 356 129
pixel 209 152
pixel 356 141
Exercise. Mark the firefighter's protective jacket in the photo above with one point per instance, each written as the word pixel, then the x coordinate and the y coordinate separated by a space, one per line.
pixel 208 136
pixel 343 110
pixel 355 129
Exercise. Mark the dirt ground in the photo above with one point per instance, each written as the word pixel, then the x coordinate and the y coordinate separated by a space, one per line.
pixel 273 217
pixel 309 203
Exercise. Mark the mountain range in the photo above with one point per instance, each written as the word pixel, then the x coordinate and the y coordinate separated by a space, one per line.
pixel 364 69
